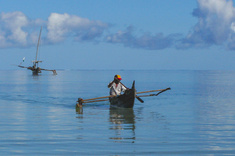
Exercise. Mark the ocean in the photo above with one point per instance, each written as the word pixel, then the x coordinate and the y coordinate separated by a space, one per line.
pixel 38 114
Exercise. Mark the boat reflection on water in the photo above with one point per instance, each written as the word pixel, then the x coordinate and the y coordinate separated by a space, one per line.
pixel 122 122
pixel 79 110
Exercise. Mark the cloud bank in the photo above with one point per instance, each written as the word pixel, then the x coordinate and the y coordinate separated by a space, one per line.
pixel 145 41
pixel 215 26
pixel 17 30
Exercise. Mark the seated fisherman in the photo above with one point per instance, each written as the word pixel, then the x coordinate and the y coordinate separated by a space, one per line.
pixel 116 87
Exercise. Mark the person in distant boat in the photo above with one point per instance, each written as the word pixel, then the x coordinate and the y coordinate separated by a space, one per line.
pixel 116 87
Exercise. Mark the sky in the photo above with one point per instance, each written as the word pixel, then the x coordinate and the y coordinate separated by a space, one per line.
pixel 119 34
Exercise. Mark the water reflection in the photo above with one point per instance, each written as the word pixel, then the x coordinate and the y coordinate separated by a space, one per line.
pixel 79 110
pixel 123 124
pixel 214 109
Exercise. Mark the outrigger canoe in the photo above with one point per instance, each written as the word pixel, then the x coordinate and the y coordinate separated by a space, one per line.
pixel 125 100
pixel 35 69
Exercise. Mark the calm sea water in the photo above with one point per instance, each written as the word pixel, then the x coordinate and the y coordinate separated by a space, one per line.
pixel 196 117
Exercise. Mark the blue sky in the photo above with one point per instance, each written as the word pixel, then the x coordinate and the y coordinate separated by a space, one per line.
pixel 119 34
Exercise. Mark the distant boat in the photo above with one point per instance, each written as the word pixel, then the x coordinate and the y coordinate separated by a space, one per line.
pixel 35 69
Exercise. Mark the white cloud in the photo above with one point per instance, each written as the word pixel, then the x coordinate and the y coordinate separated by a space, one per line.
pixel 215 24
pixel 61 25
pixel 17 30
pixel 11 28
pixel 233 26
pixel 221 8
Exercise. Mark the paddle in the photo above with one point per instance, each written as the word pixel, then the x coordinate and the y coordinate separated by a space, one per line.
pixel 137 97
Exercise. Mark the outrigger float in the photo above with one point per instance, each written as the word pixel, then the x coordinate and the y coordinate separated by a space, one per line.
pixel 125 100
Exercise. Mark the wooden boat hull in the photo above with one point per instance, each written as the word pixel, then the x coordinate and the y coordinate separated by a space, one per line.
pixel 125 100
pixel 36 71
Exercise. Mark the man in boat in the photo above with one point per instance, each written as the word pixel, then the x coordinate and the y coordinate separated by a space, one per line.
pixel 116 87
